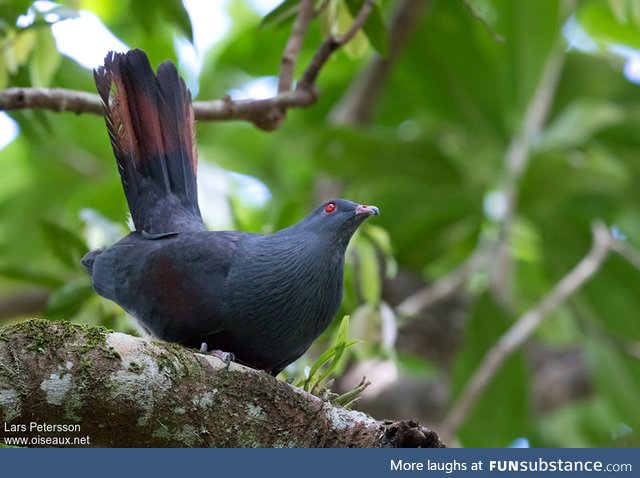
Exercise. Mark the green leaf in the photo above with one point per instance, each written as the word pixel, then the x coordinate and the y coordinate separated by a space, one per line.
pixel 619 10
pixel 381 239
pixel 45 60
pixel 605 293
pixel 339 20
pixel 65 302
pixel 174 12
pixel 375 326
pixel 369 272
pixel 485 12
pixel 11 10
pixel 30 275
pixel 145 15
pixel 281 14
pixel 617 378
pixel 503 408
pixel 329 359
pixel 625 11
pixel 327 356
pixel 65 244
pixel 343 331
pixel 609 26
pixel 374 27
pixel 149 12
pixel 584 424
pixel 18 49
pixel 579 122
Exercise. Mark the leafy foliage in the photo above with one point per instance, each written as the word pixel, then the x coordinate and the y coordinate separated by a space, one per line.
pixel 328 361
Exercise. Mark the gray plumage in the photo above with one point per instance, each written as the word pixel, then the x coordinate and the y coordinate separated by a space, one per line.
pixel 265 298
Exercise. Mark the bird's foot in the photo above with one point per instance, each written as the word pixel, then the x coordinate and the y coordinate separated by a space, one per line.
pixel 226 357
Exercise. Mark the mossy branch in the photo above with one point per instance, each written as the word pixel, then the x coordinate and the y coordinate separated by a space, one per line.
pixel 123 391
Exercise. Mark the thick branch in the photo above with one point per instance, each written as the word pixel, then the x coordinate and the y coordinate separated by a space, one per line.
pixel 524 327
pixel 124 391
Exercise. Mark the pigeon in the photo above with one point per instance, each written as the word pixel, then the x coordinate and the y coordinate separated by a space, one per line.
pixel 262 298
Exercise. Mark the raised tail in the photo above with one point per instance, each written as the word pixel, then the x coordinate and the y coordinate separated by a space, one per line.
pixel 151 126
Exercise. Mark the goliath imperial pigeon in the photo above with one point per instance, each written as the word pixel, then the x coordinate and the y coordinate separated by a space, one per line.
pixel 262 298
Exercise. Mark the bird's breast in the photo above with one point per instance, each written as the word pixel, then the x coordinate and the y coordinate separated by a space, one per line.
pixel 292 294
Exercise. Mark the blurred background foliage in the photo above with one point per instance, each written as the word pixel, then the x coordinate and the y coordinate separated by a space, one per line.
pixel 430 154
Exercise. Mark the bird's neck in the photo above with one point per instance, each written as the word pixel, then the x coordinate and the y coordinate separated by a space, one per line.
pixel 313 246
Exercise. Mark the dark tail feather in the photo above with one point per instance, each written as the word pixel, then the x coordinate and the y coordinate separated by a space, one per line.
pixel 151 126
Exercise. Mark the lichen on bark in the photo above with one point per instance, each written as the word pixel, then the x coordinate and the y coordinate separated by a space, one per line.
pixel 131 392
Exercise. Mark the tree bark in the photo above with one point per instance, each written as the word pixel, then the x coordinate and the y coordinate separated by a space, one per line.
pixel 121 391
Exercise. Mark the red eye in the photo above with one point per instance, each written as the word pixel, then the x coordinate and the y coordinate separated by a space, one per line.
pixel 330 207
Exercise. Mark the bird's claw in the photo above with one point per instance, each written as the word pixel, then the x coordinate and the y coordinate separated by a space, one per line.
pixel 226 357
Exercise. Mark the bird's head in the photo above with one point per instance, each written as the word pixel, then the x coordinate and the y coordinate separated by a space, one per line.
pixel 339 218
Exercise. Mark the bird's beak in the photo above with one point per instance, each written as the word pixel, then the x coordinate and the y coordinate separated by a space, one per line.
pixel 368 210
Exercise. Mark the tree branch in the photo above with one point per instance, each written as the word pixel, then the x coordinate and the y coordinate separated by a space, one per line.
pixel 445 286
pixel 80 102
pixel 524 327
pixel 291 51
pixel 321 7
pixel 516 160
pixel 628 252
pixel 266 114
pixel 122 391
pixel 331 44
pixel 55 99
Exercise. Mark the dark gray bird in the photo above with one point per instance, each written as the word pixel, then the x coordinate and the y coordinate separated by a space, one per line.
pixel 264 298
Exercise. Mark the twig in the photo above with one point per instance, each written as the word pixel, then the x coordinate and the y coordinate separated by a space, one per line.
pixel 80 102
pixel 55 99
pixel 516 160
pixel 331 44
pixel 474 11
pixel 627 252
pixel 524 327
pixel 291 51
pixel 632 348
pixel 266 114
pixel 445 286
pixel 321 8
pixel 358 22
